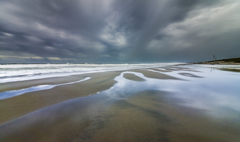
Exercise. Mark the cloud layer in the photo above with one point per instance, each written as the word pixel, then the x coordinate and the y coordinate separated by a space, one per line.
pixel 118 30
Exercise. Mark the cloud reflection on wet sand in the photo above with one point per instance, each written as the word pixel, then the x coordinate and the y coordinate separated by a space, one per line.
pixel 184 109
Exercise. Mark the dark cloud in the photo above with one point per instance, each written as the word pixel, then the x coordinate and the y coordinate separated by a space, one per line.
pixel 118 30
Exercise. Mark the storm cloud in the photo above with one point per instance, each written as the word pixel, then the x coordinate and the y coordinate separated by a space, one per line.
pixel 99 31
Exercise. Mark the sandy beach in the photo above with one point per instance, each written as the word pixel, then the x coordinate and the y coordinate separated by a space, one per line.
pixel 23 104
pixel 151 104
pixel 119 71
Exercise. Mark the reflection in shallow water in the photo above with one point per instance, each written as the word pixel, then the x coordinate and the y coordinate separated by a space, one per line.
pixel 233 70
pixel 189 75
pixel 9 94
pixel 147 111
pixel 217 92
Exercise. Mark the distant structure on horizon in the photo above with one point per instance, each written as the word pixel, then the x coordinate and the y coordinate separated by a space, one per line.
pixel 214 58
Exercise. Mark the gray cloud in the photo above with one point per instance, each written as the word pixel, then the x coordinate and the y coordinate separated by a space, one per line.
pixel 118 30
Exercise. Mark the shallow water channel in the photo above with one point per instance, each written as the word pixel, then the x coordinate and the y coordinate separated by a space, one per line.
pixel 201 105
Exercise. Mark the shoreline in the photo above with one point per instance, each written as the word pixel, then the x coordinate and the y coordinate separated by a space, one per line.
pixel 59 70
pixel 128 103
pixel 22 104
pixel 229 61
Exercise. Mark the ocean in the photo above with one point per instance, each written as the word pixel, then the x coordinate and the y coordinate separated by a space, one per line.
pixel 21 72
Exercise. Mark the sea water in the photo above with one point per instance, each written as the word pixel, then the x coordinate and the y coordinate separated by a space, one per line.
pixel 20 72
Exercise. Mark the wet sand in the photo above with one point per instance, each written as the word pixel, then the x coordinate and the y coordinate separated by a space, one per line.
pixel 149 116
pixel 85 112
pixel 20 105
pixel 233 70
pixel 156 75
pixel 132 77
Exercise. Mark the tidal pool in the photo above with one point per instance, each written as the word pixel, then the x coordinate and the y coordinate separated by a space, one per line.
pixel 201 105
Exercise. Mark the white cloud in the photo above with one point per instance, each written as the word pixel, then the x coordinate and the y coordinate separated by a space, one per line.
pixel 111 35
pixel 7 34
pixel 198 26
pixel 33 38
pixel 49 48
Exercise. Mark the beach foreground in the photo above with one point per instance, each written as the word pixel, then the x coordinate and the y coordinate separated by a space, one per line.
pixel 169 104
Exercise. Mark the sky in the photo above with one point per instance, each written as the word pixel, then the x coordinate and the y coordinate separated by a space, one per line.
pixel 118 31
